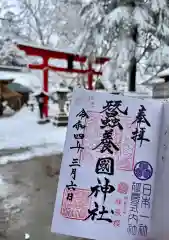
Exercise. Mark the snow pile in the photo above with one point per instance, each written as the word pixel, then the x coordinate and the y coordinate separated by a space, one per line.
pixel 4 188
pixel 22 134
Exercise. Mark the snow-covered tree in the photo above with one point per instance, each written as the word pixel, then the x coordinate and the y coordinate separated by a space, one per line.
pixel 10 55
pixel 38 19
pixel 133 33
pixel 49 22
pixel 10 25
pixel 69 23
pixel 44 22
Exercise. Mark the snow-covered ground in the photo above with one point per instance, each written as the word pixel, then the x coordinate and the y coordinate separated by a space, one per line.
pixel 23 138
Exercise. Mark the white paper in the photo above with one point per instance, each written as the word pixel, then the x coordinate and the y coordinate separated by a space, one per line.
pixel 161 198
pixel 130 204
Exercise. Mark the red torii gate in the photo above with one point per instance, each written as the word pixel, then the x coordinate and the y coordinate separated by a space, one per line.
pixel 46 54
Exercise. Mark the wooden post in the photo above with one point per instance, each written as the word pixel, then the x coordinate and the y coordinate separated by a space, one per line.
pixel 90 76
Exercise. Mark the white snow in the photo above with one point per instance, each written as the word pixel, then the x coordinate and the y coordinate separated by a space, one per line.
pixel 27 79
pixel 154 81
pixel 22 132
pixel 30 44
pixel 12 68
pixel 4 188
pixel 27 236
pixel 5 78
pixel 164 73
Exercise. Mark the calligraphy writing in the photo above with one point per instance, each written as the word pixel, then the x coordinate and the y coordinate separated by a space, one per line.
pixel 112 120
pixel 134 203
pixel 135 197
pixel 82 114
pixel 112 110
pixel 106 143
pixel 140 230
pixel 105 189
pixel 140 196
pixel 78 136
pixel 141 117
pixel 141 120
pixel 78 147
pixel 94 213
pixel 145 203
pixel 105 165
pixel 71 186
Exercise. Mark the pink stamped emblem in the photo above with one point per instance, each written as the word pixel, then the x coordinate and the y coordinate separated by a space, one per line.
pixel 77 208
pixel 124 159
pixel 117 212
pixel 118 201
pixel 92 136
pixel 116 223
pixel 123 188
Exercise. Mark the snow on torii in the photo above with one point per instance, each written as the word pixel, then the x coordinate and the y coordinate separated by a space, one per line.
pixel 46 54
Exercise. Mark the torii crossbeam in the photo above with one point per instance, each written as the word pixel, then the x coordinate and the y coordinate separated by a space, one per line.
pixel 46 54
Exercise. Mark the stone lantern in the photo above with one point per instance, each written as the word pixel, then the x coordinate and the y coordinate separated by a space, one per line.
pixel 61 119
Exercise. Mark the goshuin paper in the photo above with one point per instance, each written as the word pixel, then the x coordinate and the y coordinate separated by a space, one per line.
pixel 107 179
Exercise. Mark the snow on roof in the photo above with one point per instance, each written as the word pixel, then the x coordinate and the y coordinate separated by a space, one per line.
pixel 5 78
pixel 26 79
pixel 151 79
pixel 12 68
pixel 154 81
pixel 163 73
pixel 29 44
pixel 138 95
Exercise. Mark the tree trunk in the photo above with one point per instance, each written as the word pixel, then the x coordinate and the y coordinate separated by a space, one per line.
pixel 132 75
pixel 133 63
